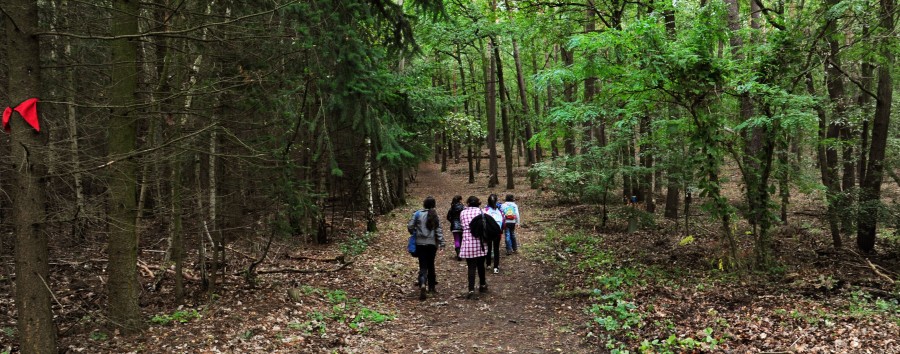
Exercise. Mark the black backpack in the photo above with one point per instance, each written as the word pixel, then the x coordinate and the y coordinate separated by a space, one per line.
pixel 483 226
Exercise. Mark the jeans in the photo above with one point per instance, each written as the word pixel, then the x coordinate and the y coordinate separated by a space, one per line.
pixel 473 264
pixel 511 243
pixel 426 265
pixel 493 249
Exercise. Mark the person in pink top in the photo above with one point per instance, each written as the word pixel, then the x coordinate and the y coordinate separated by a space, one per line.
pixel 471 248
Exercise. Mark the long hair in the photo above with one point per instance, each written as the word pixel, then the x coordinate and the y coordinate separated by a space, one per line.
pixel 431 222
pixel 492 201
pixel 456 199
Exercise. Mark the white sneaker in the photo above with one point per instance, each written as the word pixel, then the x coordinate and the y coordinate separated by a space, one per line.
pixel 496 270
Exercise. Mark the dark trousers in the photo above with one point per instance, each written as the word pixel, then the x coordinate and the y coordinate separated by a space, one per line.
pixel 493 250
pixel 476 264
pixel 426 265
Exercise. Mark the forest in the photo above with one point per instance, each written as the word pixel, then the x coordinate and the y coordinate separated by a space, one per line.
pixel 695 176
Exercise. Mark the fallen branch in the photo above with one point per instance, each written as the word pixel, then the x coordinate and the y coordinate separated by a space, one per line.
pixel 339 258
pixel 874 268
pixel 184 273
pixel 304 271
pixel 879 273
pixel 144 268
pixel 240 253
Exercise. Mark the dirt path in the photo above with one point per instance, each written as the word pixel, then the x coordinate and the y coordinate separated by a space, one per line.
pixel 518 315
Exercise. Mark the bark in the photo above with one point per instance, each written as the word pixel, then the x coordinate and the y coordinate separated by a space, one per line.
pixel 590 83
pixel 523 97
pixel 469 158
pixel 371 226
pixel 80 220
pixel 646 160
pixel 871 188
pixel 36 332
pixel 784 169
pixel 176 242
pixel 827 173
pixel 504 119
pixel 445 149
pixel 836 94
pixel 491 105
pixel 218 245
pixel 569 95
pixel 124 311
pixel 672 193
pixel 863 102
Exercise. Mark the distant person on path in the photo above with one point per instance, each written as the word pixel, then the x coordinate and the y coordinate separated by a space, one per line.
pixel 493 241
pixel 425 224
pixel 456 207
pixel 511 218
pixel 471 249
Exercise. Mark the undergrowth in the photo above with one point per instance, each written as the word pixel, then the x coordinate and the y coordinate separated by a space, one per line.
pixel 342 311
pixel 615 317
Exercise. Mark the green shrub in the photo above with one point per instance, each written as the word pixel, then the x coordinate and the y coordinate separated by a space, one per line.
pixel 180 316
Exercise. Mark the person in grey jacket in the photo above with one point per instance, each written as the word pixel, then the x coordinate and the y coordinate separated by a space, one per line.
pixel 426 225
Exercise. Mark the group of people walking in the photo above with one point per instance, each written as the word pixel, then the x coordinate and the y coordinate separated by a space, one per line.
pixel 480 249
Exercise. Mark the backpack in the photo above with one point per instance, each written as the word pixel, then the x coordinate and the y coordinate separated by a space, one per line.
pixel 411 242
pixel 483 226
pixel 510 213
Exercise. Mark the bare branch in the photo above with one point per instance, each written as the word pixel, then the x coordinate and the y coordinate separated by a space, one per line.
pixel 169 33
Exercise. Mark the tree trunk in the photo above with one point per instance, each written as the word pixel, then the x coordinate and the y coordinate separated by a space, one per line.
pixel 870 195
pixel 124 311
pixel 491 105
pixel 784 169
pixel 176 249
pixel 863 103
pixel 504 118
pixel 827 174
pixel 36 332
pixel 523 97
pixel 646 159
pixel 371 226
pixel 672 200
pixel 445 149
pixel 569 95
pixel 835 86
pixel 469 158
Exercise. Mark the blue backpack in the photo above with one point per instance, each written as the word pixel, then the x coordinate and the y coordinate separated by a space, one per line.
pixel 411 243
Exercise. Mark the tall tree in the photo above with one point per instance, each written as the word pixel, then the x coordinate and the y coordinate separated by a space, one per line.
pixel 834 83
pixel 37 334
pixel 124 311
pixel 504 118
pixel 490 101
pixel 871 186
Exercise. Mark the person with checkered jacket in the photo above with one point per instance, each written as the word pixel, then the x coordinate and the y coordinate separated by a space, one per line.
pixel 472 249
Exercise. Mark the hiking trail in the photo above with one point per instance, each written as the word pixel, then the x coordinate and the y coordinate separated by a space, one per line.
pixel 517 315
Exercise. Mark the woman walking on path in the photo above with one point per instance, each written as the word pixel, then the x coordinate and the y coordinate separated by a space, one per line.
pixel 425 224
pixel 512 218
pixel 471 248
pixel 493 241
pixel 456 207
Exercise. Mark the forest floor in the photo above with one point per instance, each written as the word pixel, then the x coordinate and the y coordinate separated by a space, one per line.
pixel 572 288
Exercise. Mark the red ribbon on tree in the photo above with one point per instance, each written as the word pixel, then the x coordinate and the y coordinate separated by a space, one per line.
pixel 28 110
